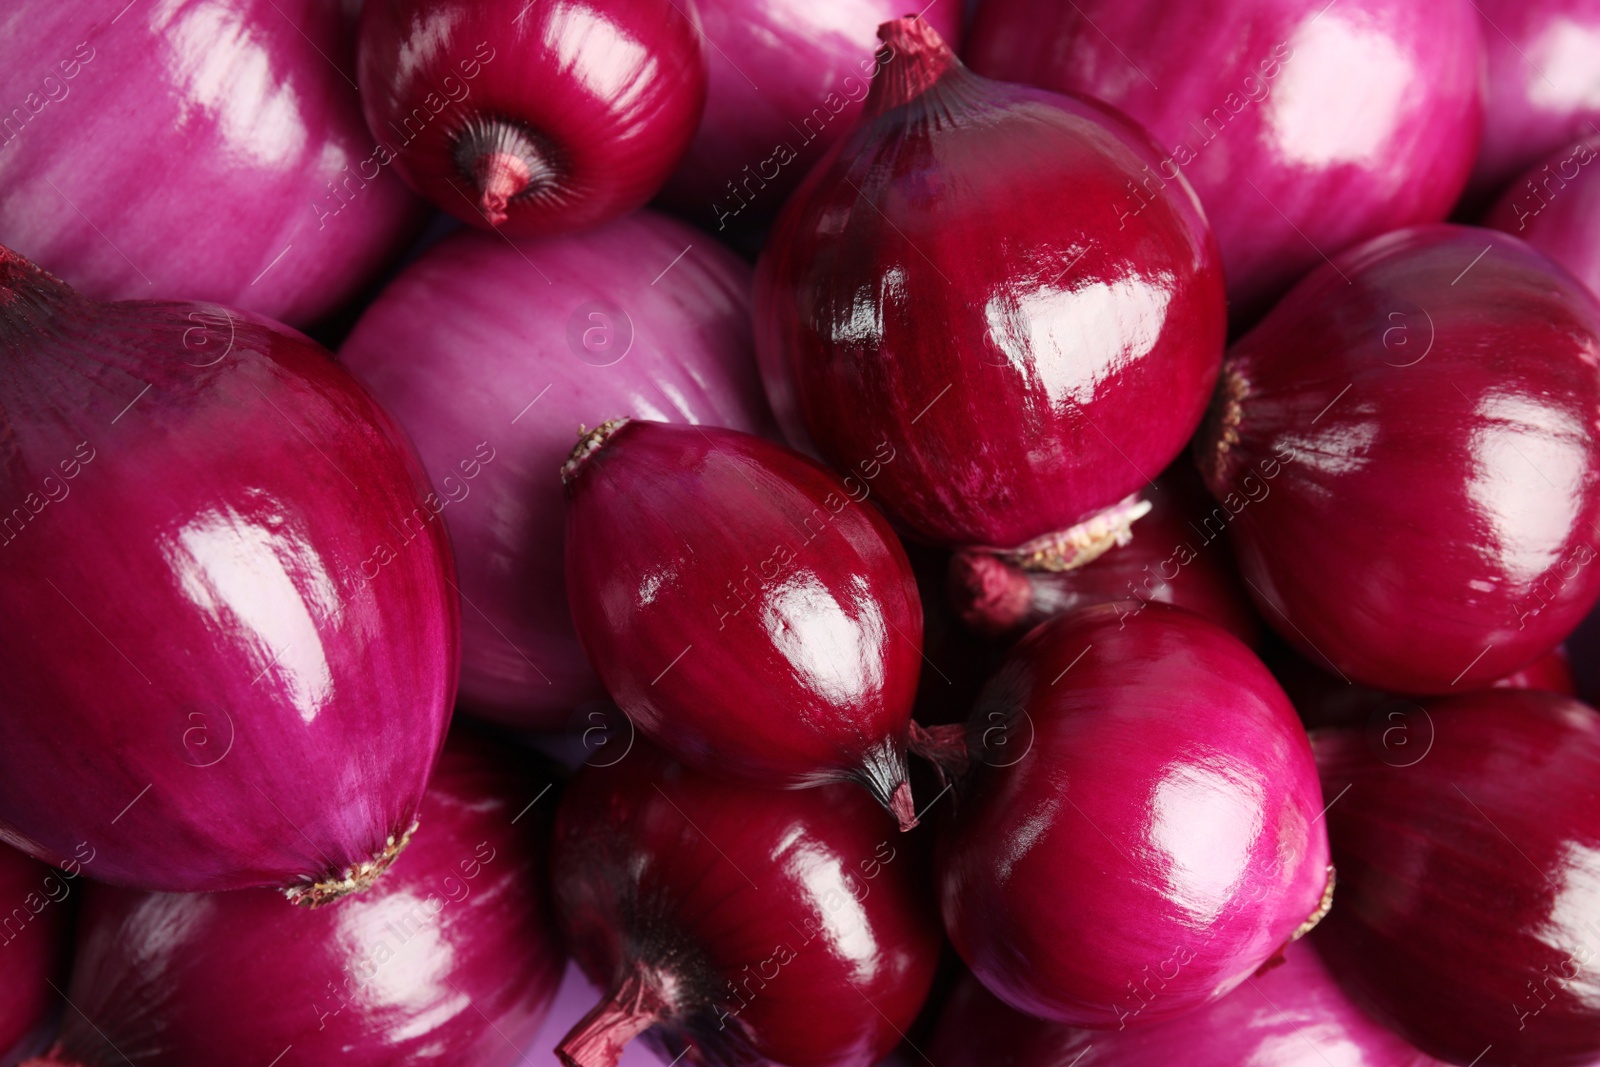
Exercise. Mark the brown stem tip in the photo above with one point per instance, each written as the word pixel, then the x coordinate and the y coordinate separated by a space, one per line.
pixel 989 594
pixel 633 1006
pixel 943 746
pixel 589 442
pixel 351 879
pixel 503 161
pixel 902 807
pixel 917 57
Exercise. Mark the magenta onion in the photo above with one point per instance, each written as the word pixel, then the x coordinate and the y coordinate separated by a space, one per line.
pixel 226 606
pixel 1468 842
pixel 737 924
pixel 34 921
pixel 455 950
pixel 196 151
pixel 491 354
pixel 787 80
pixel 1555 207
pixel 1294 1015
pixel 533 118
pixel 1304 126
pixel 955 281
pixel 1141 828
pixel 1178 555
pixel 1408 448
pixel 672 532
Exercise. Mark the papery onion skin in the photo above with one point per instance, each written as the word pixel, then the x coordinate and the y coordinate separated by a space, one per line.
pixel 533 118
pixel 1424 411
pixel 484 348
pixel 35 919
pixel 217 152
pixel 1294 1015
pixel 1143 808
pixel 1304 128
pixel 791 927
pixel 455 949
pixel 229 617
pixel 1555 206
pixel 1468 844
pixel 750 611
pixel 966 278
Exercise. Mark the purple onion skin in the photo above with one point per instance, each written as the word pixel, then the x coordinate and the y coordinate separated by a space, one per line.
pixel 1141 831
pixel 195 151
pixel 1407 445
pixel 229 619
pixel 550 117
pixel 1294 1015
pixel 1336 124
pixel 454 950
pixel 749 611
pixel 1468 843
pixel 35 918
pixel 476 330
pixel 962 281
pixel 1555 207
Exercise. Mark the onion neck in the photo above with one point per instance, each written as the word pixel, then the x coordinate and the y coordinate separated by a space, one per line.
pixel 1069 549
pixel 919 58
pixel 989 594
pixel 28 294
pixel 636 1003
pixel 589 442
pixel 504 161
pixel 945 747
pixel 883 774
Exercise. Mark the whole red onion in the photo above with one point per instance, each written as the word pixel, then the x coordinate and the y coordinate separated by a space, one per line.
pixel 533 118
pixel 1142 828
pixel 455 950
pixel 737 924
pixel 491 354
pixel 1408 447
pixel 226 607
pixel 1468 843
pixel 34 923
pixel 200 151
pixel 746 608
pixel 962 279
pixel 1555 207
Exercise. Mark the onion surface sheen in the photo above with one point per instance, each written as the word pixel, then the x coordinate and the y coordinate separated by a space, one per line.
pixel 35 918
pixel 1555 207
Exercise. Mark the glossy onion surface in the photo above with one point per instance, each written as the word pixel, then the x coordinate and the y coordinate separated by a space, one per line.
pixel 1408 447
pixel 35 917
pixel 533 118
pixel 452 958
pixel 744 924
pixel 1555 207
pixel 1305 127
pixel 750 612
pixel 195 150
pixel 226 604
pixel 491 355
pixel 1468 843
pixel 1141 830
pixel 967 280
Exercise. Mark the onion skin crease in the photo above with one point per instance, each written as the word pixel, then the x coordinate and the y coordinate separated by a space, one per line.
pixel 1468 843
pixel 1555 207
pixel 35 921
pixel 1140 830
pixel 226 603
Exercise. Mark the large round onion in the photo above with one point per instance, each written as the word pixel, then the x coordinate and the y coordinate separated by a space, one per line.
pixel 455 950
pixel 197 151
pixel 1304 126
pixel 1142 827
pixel 226 603
pixel 492 354
pixel 1555 207
pixel 957 282
pixel 34 920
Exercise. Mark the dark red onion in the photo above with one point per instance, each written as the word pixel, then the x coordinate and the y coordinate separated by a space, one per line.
pixel 1555 207
pixel 228 615
pixel 1142 828
pixel 1408 447
pixel 455 950
pixel 747 609
pixel 1304 126
pixel 34 923
pixel 739 925
pixel 207 151
pixel 958 280
pixel 1467 836
pixel 533 118
pixel 491 354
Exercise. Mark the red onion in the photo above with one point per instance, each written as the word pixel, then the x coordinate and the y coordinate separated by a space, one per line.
pixel 248 683
pixel 1141 830
pixel 1555 207
pixel 34 920
pixel 956 278
pixel 533 118
pixel 746 608
pixel 1407 444
pixel 738 924
pixel 455 950
pixel 787 81
pixel 207 151
pixel 1177 555
pixel 491 353
pixel 1304 126
pixel 1468 843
